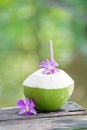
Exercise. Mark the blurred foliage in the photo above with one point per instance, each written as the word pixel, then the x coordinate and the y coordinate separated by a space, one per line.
pixel 26 26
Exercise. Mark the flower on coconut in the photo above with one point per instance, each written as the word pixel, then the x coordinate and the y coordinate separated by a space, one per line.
pixel 50 66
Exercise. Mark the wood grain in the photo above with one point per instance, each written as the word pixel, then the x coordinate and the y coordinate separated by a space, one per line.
pixel 71 116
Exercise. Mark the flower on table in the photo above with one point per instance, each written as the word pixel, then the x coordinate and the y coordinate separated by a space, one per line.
pixel 50 66
pixel 26 106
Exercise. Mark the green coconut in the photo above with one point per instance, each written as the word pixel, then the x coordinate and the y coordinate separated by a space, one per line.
pixel 49 91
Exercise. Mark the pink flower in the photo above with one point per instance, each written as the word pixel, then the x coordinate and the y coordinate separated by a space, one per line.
pixel 26 106
pixel 50 66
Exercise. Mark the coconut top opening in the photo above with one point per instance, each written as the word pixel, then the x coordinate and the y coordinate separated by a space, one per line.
pixel 56 80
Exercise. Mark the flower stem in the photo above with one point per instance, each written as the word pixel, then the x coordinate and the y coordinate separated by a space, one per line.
pixel 51 50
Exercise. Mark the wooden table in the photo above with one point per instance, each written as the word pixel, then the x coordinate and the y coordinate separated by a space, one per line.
pixel 70 117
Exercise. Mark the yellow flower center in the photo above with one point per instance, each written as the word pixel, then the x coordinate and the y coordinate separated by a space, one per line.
pixel 27 108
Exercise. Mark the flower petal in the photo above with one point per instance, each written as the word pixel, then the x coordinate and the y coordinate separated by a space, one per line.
pixel 21 111
pixel 43 64
pixel 57 70
pixel 45 71
pixel 32 104
pixel 27 102
pixel 21 103
pixel 33 111
pixel 54 63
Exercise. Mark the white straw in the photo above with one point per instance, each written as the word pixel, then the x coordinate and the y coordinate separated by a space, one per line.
pixel 51 50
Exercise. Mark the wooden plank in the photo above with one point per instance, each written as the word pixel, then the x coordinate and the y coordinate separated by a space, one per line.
pixel 71 116
pixel 69 109
pixel 55 123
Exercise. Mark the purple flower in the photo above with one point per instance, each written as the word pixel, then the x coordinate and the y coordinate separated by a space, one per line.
pixel 50 66
pixel 26 106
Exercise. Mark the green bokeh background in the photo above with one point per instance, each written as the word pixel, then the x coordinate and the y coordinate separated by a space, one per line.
pixel 26 27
